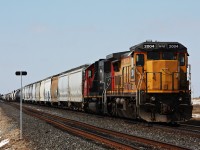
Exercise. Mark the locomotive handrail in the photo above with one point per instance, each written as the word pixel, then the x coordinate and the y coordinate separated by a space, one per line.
pixel 104 96
pixel 189 77
pixel 138 85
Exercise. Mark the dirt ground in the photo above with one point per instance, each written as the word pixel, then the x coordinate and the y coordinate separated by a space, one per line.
pixel 9 133
pixel 196 109
pixel 196 112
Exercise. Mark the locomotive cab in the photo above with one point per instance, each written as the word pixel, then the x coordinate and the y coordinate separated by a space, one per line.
pixel 164 94
pixel 95 85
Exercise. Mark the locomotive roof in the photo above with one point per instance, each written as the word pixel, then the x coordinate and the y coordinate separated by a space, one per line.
pixel 93 63
pixel 115 55
pixel 155 46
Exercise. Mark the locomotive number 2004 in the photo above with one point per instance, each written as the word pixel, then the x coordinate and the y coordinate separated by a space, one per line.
pixel 173 46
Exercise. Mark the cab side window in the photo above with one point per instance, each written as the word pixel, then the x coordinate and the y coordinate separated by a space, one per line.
pixel 182 59
pixel 116 66
pixel 90 73
pixel 139 60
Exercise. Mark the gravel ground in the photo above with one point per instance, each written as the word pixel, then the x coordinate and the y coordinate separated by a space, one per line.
pixel 39 135
pixel 122 126
pixel 48 137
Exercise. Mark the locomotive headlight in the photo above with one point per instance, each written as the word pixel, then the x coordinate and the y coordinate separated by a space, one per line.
pixel 152 98
pixel 180 99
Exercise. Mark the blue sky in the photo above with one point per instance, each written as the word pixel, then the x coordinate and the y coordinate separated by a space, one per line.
pixel 47 37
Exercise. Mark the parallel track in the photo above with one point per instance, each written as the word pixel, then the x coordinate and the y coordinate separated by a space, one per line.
pixel 191 128
pixel 184 129
pixel 100 134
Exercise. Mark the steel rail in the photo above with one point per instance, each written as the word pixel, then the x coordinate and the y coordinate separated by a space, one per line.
pixel 84 134
pixel 182 129
pixel 191 128
pixel 115 133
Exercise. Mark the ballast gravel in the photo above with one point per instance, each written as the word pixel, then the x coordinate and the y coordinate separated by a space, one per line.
pixel 45 136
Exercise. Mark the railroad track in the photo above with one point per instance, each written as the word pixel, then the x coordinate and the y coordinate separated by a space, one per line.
pixel 110 138
pixel 191 128
pixel 184 129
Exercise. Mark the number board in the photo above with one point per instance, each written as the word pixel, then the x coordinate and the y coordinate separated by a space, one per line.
pixel 173 46
pixel 149 46
pixel 161 46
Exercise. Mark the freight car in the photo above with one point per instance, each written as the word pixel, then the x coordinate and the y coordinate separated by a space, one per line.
pixel 151 82
pixel 64 89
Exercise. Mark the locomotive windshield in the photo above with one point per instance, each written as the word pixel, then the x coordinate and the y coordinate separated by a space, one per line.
pixel 153 55
pixel 169 56
pixel 165 56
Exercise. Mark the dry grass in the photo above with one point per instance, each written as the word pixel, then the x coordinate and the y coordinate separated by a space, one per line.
pixel 11 132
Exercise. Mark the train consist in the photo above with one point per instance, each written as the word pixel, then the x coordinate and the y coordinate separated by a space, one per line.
pixel 151 82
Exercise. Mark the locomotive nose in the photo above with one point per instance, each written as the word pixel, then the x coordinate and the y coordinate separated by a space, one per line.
pixel 162 75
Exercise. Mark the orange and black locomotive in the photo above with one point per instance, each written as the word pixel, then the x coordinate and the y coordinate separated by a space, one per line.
pixel 151 81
